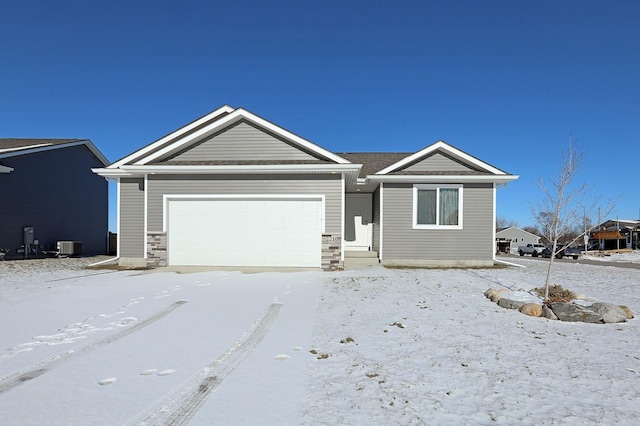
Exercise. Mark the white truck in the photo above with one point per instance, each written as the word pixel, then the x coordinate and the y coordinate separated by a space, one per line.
pixel 534 250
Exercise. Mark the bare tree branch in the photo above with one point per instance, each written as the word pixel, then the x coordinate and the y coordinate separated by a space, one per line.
pixel 564 205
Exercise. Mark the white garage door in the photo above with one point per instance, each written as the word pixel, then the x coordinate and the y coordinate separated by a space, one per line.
pixel 245 232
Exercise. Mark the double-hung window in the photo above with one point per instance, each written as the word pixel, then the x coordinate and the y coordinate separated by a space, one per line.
pixel 437 206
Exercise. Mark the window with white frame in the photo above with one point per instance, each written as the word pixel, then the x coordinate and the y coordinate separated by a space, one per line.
pixel 437 206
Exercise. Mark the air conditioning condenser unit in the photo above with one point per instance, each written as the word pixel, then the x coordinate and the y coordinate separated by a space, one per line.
pixel 69 248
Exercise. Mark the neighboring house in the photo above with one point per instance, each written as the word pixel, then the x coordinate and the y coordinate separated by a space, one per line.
pixel 46 186
pixel 233 189
pixel 617 234
pixel 517 237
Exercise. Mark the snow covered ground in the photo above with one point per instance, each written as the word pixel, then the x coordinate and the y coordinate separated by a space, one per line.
pixel 633 257
pixel 369 346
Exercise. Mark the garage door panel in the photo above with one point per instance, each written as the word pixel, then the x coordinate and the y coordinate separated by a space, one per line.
pixel 223 232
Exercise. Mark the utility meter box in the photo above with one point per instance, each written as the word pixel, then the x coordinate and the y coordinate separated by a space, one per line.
pixel 28 235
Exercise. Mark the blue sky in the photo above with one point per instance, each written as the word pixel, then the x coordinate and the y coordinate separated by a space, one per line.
pixel 505 81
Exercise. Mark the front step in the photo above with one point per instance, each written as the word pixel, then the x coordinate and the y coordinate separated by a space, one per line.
pixel 360 258
pixel 360 253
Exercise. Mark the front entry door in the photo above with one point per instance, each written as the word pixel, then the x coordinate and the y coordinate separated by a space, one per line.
pixel 358 227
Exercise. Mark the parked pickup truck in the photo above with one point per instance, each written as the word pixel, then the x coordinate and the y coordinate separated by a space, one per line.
pixel 533 249
pixel 562 251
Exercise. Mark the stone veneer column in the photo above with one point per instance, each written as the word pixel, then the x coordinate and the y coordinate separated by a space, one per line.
pixel 156 249
pixel 332 252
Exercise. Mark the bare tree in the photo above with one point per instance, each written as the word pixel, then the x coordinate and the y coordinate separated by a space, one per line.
pixel 564 205
pixel 502 222
pixel 532 229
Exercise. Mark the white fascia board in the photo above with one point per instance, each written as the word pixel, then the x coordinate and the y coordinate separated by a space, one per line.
pixel 227 119
pixel 5 169
pixel 442 178
pixel 231 118
pixel 446 147
pixel 172 135
pixel 350 170
pixel 295 138
pixel 274 168
pixel 111 173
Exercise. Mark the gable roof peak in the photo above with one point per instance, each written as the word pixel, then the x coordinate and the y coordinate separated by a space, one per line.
pixel 217 120
pixel 517 229
pixel 184 130
pixel 12 147
pixel 441 145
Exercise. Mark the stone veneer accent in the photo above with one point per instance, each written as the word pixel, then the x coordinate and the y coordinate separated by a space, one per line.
pixel 332 252
pixel 156 249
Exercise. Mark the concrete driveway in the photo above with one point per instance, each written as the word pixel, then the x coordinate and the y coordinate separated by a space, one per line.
pixel 106 347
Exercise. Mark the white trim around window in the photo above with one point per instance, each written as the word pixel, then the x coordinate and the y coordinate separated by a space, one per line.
pixel 438 200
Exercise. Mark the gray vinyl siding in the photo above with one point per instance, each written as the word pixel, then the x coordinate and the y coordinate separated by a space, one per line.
pixel 242 142
pixel 376 220
pixel 328 185
pixel 438 163
pixel 57 194
pixel 131 235
pixel 473 242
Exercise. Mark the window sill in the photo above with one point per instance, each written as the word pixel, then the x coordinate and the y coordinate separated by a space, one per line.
pixel 440 227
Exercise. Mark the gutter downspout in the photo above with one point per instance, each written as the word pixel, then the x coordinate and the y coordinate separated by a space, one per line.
pixel 509 263
pixel 495 200
pixel 105 261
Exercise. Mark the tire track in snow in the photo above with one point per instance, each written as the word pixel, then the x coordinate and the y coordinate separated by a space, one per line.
pixel 9 382
pixel 178 408
pixel 81 276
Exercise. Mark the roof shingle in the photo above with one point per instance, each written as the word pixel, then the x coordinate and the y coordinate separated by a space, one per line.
pixel 373 162
pixel 17 144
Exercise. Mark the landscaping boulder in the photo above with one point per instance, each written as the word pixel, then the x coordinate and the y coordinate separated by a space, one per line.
pixel 597 313
pixel 609 312
pixel 493 295
pixel 548 313
pixel 531 309
pixel 627 311
pixel 572 312
pixel 510 304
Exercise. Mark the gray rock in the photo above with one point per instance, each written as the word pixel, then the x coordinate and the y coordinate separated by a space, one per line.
pixel 510 304
pixel 548 313
pixel 610 313
pixel 574 313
